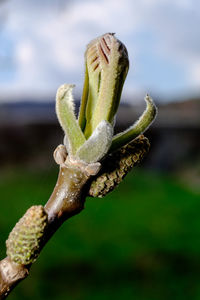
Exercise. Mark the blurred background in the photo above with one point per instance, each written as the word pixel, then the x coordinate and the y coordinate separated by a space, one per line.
pixel 143 240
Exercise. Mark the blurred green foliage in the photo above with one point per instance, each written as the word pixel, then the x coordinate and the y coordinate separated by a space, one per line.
pixel 140 242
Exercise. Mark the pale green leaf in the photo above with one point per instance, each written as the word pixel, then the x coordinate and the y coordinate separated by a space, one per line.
pixel 139 127
pixel 98 144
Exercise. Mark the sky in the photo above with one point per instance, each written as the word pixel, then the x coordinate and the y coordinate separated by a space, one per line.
pixel 42 45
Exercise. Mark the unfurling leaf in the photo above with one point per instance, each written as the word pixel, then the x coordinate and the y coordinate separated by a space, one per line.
pixel 139 127
pixel 65 113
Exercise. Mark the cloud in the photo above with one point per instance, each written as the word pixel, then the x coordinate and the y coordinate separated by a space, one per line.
pixel 46 41
pixel 177 28
pixel 49 41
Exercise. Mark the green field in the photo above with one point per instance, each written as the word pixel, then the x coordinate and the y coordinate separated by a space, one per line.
pixel 140 242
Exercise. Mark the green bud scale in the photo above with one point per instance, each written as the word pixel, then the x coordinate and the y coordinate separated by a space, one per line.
pixel 25 239
pixel 117 165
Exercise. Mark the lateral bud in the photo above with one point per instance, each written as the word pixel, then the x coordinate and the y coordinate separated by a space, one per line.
pixel 117 165
pixel 24 241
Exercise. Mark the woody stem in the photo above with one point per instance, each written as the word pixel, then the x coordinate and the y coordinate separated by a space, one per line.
pixel 67 200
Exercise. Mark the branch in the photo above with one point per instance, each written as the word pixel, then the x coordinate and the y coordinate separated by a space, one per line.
pixel 66 200
pixel 91 161
pixel 36 227
pixel 10 275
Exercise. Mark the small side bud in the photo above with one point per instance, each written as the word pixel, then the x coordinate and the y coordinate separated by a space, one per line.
pixel 60 154
pixel 25 239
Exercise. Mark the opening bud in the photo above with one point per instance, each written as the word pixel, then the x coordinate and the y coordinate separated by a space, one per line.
pixel 107 63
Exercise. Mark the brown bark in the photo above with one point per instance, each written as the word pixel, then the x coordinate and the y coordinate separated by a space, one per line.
pixel 10 275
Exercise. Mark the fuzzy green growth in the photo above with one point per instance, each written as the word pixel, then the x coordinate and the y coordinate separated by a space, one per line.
pixel 106 69
pixel 90 138
pixel 137 128
pixel 24 241
pixel 67 119
pixel 117 165
pixel 98 143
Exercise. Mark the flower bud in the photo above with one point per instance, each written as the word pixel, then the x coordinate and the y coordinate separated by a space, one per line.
pixel 117 165
pixel 24 241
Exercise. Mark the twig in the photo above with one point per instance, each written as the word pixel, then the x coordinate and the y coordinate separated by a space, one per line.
pixel 67 200
pixel 89 147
